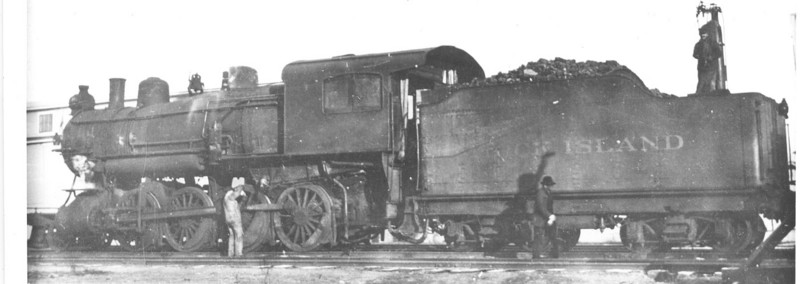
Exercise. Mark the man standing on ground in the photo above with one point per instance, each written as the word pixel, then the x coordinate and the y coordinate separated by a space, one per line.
pixel 233 220
pixel 544 221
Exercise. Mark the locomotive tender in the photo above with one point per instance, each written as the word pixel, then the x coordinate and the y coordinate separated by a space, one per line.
pixel 348 147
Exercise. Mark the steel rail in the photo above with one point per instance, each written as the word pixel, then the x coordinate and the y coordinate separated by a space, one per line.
pixel 393 260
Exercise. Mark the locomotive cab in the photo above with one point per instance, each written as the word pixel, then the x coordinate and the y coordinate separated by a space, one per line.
pixel 353 104
pixel 356 109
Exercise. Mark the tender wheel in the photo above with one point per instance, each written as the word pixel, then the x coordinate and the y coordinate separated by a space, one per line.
pixel 651 238
pixel 459 236
pixel 468 244
pixel 305 221
pixel 759 231
pixel 512 228
pixel 739 234
pixel 129 238
pixel 570 238
pixel 256 224
pixel 190 233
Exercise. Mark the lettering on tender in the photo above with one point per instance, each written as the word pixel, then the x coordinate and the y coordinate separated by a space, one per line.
pixel 628 144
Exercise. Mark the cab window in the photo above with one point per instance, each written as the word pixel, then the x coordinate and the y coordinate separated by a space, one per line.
pixel 352 93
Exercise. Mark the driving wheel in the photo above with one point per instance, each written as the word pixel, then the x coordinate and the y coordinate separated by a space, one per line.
pixel 256 224
pixel 129 238
pixel 305 221
pixel 189 234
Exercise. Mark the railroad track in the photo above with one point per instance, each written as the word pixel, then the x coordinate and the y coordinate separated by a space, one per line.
pixel 585 257
pixel 594 251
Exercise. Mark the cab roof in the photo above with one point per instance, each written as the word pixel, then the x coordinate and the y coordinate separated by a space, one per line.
pixel 445 57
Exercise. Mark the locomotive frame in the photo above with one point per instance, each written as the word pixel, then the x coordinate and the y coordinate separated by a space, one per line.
pixel 349 147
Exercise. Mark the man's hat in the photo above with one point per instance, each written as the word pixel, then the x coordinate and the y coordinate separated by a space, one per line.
pixel 547 180
pixel 708 28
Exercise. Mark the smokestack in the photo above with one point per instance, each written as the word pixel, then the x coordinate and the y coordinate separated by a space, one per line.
pixel 116 95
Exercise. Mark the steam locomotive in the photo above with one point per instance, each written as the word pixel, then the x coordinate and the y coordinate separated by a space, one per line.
pixel 350 147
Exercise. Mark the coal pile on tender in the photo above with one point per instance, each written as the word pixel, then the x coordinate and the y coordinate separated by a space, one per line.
pixel 556 69
pixel 545 70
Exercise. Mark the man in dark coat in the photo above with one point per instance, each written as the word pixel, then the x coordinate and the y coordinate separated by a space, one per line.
pixel 707 52
pixel 544 221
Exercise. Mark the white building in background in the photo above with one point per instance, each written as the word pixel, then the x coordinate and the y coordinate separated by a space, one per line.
pixel 48 175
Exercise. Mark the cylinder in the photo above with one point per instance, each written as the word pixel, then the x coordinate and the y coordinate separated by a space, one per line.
pixel 82 217
pixel 152 91
pixel 116 94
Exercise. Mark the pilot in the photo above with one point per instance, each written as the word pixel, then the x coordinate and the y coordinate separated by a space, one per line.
pixel 544 221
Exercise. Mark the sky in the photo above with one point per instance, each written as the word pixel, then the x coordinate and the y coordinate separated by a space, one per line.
pixel 82 42
pixel 73 43
pixel 86 42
